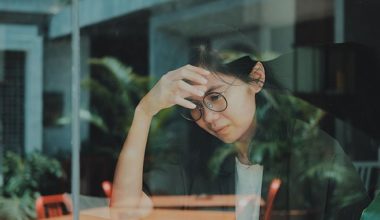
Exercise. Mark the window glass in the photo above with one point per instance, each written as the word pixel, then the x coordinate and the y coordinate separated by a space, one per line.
pixel 286 125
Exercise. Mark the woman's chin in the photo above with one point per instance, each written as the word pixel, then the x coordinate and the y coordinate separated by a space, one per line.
pixel 227 136
pixel 227 139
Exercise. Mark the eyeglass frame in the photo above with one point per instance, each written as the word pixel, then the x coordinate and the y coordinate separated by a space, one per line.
pixel 200 109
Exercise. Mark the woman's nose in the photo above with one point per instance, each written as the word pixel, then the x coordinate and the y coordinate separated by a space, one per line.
pixel 209 116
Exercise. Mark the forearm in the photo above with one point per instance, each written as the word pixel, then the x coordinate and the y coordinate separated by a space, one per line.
pixel 128 176
pixel 172 89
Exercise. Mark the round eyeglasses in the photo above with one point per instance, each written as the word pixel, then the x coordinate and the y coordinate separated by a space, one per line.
pixel 214 101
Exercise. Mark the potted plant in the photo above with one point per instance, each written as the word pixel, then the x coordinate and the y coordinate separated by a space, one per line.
pixel 25 178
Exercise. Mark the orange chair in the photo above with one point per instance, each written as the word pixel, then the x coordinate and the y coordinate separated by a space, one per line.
pixel 53 206
pixel 107 188
pixel 273 189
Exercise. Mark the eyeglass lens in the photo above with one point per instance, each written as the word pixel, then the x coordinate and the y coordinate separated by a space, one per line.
pixel 214 101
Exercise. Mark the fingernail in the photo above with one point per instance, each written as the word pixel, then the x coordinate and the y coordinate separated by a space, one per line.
pixel 204 80
pixel 201 93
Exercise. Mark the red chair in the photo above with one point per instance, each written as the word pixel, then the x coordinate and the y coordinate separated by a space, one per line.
pixel 273 189
pixel 107 188
pixel 53 206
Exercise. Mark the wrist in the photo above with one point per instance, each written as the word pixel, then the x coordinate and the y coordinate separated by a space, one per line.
pixel 143 109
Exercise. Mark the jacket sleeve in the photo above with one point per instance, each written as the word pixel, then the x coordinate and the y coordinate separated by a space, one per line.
pixel 348 196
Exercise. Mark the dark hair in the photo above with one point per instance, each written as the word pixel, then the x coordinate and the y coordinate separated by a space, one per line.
pixel 240 67
pixel 210 60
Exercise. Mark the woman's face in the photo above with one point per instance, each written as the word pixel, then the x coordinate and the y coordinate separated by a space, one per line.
pixel 235 123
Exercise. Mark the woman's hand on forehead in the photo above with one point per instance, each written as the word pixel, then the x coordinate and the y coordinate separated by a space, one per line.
pixel 174 88
pixel 190 74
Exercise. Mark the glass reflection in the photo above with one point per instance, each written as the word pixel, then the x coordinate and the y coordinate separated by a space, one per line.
pixel 311 115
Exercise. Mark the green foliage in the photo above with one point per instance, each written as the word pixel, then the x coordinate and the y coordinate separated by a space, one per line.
pixel 25 176
pixel 24 179
pixel 115 91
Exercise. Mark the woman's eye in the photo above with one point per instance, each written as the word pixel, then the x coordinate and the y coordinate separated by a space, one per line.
pixel 215 97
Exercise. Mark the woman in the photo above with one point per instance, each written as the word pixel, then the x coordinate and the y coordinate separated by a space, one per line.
pixel 222 99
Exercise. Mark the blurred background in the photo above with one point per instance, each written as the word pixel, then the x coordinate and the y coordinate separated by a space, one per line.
pixel 326 52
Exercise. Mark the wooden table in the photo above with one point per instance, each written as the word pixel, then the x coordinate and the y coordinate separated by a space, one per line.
pixel 166 208
pixel 103 213
pixel 161 214
pixel 199 201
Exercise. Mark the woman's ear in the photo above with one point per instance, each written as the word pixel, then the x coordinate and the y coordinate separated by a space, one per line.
pixel 258 75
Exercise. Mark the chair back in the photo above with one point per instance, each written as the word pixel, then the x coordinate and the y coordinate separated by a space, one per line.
pixel 53 206
pixel 364 169
pixel 107 188
pixel 273 189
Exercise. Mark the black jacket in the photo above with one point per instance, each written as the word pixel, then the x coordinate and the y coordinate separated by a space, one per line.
pixel 317 177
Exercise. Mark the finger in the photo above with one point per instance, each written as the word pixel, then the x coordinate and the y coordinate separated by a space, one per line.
pixel 196 69
pixel 187 75
pixel 184 103
pixel 192 90
pixel 192 78
pixel 190 95
pixel 200 87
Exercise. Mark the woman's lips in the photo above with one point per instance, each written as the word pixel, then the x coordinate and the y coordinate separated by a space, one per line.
pixel 221 130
